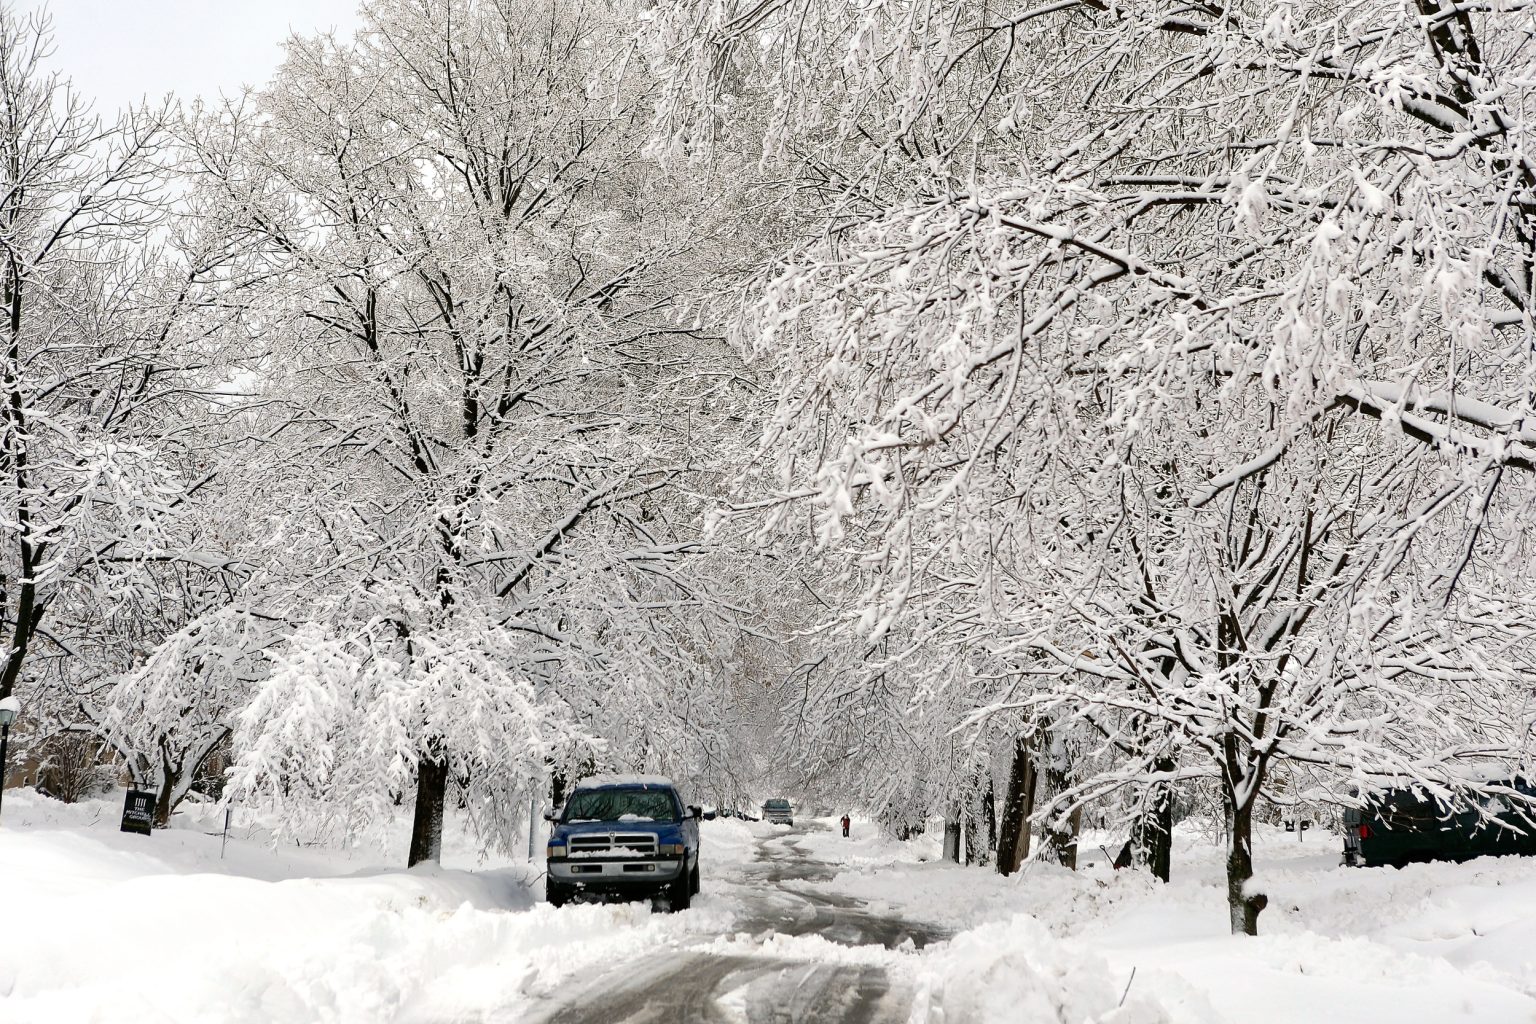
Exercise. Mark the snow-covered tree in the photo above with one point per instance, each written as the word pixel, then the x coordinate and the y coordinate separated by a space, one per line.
pixel 103 385
pixel 466 286
pixel 166 715
pixel 1189 347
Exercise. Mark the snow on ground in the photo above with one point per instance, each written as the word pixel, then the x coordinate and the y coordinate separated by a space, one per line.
pixel 1433 943
pixel 866 846
pixel 728 841
pixel 99 926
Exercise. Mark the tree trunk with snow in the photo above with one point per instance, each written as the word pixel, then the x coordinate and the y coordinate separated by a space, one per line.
pixel 1243 905
pixel 989 821
pixel 979 826
pixel 1058 834
pixel 1152 832
pixel 427 828
pixel 169 776
pixel 1018 805
pixel 952 836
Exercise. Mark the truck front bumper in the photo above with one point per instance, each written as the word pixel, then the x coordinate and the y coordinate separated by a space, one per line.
pixel 615 876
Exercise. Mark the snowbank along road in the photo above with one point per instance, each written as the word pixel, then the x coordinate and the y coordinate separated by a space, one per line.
pixel 765 976
pixel 793 925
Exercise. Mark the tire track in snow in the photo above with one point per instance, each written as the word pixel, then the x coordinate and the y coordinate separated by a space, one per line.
pixel 703 988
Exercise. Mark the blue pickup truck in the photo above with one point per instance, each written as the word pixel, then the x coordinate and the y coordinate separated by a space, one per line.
pixel 624 837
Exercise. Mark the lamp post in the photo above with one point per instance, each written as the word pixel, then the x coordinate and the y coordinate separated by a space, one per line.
pixel 9 709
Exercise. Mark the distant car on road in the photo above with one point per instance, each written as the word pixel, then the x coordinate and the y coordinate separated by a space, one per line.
pixel 1401 826
pixel 778 811
pixel 624 837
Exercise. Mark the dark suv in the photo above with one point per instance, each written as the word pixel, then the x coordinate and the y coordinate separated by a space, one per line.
pixel 624 838
pixel 1401 826
pixel 779 812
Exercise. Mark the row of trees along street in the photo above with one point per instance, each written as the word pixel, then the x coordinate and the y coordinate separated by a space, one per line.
pixel 1028 415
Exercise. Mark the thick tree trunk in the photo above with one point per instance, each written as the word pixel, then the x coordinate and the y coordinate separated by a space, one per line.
pixel 1058 841
pixel 975 845
pixel 1018 805
pixel 1244 906
pixel 427 829
pixel 952 837
pixel 1152 835
pixel 1053 767
pixel 979 841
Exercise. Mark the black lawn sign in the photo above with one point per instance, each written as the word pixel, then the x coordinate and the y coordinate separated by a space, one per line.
pixel 139 811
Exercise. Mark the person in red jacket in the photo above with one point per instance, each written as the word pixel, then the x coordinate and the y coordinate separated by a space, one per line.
pixel 846 823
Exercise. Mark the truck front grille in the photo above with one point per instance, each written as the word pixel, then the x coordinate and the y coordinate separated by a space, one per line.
pixel 614 844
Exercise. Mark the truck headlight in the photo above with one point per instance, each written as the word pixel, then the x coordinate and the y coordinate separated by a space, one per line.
pixel 555 851
pixel 671 849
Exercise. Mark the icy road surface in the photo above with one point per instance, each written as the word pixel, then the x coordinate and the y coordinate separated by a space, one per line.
pixel 761 981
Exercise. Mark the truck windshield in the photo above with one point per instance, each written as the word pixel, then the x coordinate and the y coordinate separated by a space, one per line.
pixel 621 805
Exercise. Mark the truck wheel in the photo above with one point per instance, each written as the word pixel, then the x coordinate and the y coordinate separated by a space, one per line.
pixel 681 896
pixel 555 894
pixel 693 881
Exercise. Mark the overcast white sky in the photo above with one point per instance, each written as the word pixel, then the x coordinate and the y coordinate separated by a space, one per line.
pixel 119 51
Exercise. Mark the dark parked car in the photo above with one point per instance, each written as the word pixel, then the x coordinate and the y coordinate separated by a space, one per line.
pixel 624 838
pixel 1401 826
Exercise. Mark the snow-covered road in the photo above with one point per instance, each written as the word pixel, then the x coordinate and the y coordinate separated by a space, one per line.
pixel 775 904
pixel 761 985
pixel 693 988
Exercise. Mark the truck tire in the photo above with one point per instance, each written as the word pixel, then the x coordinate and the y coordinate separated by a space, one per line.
pixel 681 896
pixel 693 880
pixel 555 894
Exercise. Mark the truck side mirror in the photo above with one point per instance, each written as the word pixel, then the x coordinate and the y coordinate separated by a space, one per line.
pixel 551 817
pixel 695 812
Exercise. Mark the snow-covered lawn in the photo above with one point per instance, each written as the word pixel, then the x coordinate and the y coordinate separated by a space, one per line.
pixel 99 926
pixel 1432 943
